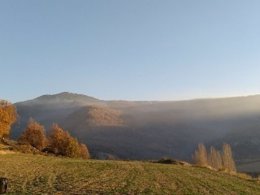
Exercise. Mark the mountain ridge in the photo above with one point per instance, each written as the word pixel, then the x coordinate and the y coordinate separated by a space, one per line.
pixel 72 94
pixel 154 129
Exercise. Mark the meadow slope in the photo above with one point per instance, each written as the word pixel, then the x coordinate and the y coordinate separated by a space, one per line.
pixel 36 174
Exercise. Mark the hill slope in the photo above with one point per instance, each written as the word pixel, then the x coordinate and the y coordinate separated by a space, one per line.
pixel 151 129
pixel 35 174
pixel 93 116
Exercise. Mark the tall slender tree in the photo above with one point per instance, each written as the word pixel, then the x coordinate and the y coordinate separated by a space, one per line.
pixel 200 156
pixel 214 158
pixel 227 156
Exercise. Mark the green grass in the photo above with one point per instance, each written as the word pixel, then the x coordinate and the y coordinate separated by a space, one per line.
pixel 35 174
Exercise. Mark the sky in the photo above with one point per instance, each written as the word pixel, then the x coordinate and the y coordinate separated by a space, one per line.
pixel 129 49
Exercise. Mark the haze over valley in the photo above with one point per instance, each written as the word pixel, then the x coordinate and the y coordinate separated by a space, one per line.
pixel 151 129
pixel 130 97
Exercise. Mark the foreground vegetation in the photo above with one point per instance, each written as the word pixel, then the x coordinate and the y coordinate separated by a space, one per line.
pixel 58 142
pixel 38 174
pixel 219 160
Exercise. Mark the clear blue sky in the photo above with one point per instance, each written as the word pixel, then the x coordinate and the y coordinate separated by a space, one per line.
pixel 129 49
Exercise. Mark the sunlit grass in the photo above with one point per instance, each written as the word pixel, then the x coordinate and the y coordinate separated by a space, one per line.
pixel 36 174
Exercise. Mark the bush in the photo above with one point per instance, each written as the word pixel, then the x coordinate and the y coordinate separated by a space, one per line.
pixel 34 135
pixel 62 143
pixel 84 151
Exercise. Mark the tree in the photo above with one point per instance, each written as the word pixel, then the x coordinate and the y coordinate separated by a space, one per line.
pixel 227 156
pixel 214 158
pixel 34 134
pixel 62 143
pixel 8 116
pixel 200 156
pixel 84 151
pixel 57 140
pixel 72 148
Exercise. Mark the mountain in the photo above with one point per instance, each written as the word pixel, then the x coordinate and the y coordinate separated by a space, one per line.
pixel 62 99
pixel 52 108
pixel 151 129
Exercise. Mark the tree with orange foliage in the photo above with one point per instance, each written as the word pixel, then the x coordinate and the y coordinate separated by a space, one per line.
pixel 84 151
pixel 34 134
pixel 62 143
pixel 56 140
pixel 8 116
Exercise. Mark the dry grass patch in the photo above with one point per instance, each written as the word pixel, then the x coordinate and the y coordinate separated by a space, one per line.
pixel 37 174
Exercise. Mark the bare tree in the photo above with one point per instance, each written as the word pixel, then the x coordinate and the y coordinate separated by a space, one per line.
pixel 214 158
pixel 200 156
pixel 227 156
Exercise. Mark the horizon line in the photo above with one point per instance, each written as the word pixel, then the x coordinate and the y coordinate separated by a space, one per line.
pixel 153 100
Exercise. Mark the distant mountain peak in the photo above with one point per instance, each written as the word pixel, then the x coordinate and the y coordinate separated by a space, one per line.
pixel 66 95
pixel 64 98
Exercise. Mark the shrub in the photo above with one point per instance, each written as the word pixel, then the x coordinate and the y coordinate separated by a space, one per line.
pixel 62 143
pixel 34 135
pixel 84 151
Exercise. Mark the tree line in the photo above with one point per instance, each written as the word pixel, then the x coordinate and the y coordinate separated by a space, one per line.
pixel 58 141
pixel 220 160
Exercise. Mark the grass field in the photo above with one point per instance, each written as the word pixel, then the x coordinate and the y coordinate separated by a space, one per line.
pixel 35 174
